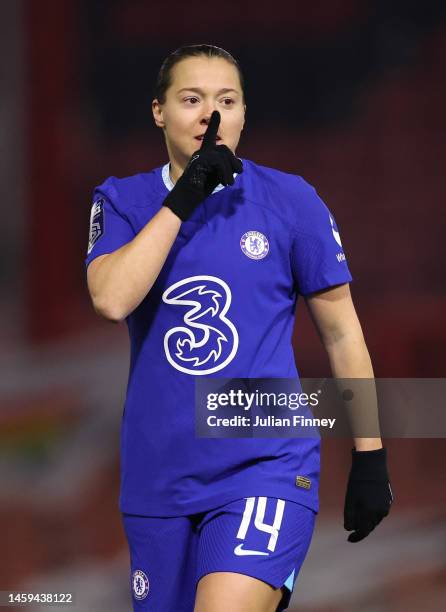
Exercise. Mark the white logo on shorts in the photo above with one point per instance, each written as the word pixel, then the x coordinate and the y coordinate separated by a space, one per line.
pixel 140 584
pixel 240 551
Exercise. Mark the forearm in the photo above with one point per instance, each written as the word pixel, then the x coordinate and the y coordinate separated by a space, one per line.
pixel 125 277
pixel 349 359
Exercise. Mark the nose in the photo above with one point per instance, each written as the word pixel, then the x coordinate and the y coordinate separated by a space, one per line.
pixel 207 116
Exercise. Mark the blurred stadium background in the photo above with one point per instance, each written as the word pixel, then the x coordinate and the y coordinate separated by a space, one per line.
pixel 348 93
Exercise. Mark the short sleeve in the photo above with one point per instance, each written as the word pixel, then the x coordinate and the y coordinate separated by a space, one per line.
pixel 317 256
pixel 110 229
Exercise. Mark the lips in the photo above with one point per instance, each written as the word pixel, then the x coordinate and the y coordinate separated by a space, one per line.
pixel 200 138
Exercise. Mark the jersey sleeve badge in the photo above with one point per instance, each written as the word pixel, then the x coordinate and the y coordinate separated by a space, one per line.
pixel 96 223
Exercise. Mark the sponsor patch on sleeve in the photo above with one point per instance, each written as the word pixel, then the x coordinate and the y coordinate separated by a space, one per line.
pixel 96 223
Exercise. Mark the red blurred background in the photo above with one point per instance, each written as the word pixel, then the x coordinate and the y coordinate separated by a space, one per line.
pixel 349 94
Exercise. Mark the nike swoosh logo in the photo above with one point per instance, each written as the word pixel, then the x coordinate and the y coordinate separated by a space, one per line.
pixel 240 551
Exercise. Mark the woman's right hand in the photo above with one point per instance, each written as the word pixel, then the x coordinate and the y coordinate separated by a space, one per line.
pixel 210 165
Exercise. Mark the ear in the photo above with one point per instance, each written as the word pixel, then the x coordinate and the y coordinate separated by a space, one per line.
pixel 157 111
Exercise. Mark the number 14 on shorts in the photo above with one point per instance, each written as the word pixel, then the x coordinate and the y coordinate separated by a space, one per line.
pixel 260 505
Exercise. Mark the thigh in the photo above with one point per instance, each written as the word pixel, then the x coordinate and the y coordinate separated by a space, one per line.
pixel 163 555
pixel 263 538
pixel 222 591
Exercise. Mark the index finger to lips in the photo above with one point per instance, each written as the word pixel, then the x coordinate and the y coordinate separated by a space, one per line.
pixel 210 136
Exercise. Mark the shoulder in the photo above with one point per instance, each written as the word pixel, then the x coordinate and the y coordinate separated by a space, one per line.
pixel 125 192
pixel 291 193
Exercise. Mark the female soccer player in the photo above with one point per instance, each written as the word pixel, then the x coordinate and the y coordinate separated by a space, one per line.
pixel 204 258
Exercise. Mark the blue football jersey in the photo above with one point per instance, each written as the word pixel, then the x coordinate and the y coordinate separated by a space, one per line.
pixel 223 305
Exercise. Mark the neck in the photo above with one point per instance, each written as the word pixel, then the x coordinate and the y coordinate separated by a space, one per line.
pixel 175 171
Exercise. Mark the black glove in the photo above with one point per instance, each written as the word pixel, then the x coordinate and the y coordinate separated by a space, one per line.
pixel 207 167
pixel 369 495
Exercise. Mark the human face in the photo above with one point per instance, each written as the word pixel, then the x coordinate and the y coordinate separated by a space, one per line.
pixel 199 86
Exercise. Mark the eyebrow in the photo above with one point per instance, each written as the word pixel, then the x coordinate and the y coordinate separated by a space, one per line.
pixel 200 91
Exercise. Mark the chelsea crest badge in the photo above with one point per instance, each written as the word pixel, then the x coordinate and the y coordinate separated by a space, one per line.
pixel 254 245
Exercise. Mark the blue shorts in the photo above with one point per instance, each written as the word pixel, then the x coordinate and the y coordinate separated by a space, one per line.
pixel 262 537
